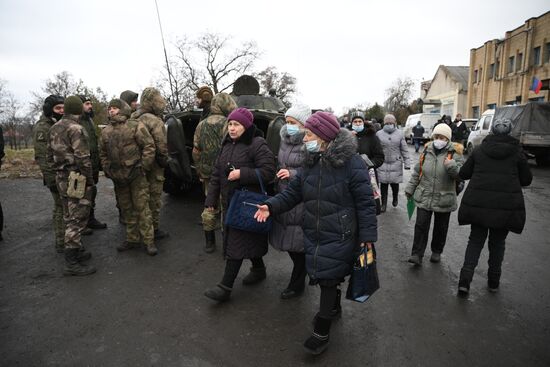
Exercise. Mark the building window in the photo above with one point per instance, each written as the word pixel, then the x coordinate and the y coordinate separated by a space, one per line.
pixel 536 56
pixel 510 103
pixel 519 62
pixel 511 64
pixel 480 74
pixel 491 71
pixel 536 99
pixel 475 112
pixel 518 99
pixel 547 54
pixel 491 106
pixel 475 76
pixel 497 68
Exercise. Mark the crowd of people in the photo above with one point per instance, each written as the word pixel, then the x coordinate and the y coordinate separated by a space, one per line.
pixel 323 211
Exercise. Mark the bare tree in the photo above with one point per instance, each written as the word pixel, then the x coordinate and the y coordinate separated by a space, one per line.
pixel 282 83
pixel 399 97
pixel 211 59
pixel 11 119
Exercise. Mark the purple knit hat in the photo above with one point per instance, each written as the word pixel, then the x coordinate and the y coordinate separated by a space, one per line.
pixel 323 124
pixel 242 116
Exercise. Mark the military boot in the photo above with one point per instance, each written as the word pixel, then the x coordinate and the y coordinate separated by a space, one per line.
pixel 160 234
pixel 256 275
pixel 87 231
pixel 73 267
pixel 152 250
pixel 210 245
pixel 60 248
pixel 93 223
pixel 83 255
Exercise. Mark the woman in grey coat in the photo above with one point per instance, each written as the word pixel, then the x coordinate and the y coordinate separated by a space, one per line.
pixel 433 188
pixel 286 233
pixel 395 156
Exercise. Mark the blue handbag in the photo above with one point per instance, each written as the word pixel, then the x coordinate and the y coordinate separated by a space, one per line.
pixel 242 207
pixel 364 276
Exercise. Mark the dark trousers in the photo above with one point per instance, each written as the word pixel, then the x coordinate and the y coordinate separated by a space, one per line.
pixel 298 277
pixel 384 191
pixel 417 142
pixel 1 218
pixel 422 230
pixel 328 300
pixel 232 268
pixel 497 240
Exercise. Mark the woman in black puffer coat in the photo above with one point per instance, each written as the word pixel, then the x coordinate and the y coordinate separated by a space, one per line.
pixel 493 202
pixel 339 213
pixel 243 151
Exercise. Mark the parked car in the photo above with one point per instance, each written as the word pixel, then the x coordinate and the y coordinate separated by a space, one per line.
pixel 268 114
pixel 428 120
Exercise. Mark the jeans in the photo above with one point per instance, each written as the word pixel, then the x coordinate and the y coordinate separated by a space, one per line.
pixel 232 268
pixel 478 235
pixel 422 230
pixel 384 192
pixel 298 277
pixel 417 143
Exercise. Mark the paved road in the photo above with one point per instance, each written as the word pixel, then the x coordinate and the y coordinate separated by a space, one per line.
pixel 143 311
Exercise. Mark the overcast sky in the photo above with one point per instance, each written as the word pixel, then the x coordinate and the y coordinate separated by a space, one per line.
pixel 341 52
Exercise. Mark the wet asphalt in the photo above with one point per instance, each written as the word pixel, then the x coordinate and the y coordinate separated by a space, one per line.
pixel 150 311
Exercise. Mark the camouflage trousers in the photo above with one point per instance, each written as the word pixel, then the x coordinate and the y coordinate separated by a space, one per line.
pixel 155 178
pixel 76 212
pixel 134 205
pixel 58 225
pixel 210 219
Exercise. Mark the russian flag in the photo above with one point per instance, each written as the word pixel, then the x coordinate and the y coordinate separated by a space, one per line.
pixel 536 85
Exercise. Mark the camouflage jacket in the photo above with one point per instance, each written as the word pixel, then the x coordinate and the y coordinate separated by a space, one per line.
pixel 41 137
pixel 156 129
pixel 68 148
pixel 209 134
pixel 125 146
pixel 89 127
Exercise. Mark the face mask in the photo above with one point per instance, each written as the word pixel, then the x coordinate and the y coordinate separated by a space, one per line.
pixel 292 129
pixel 389 128
pixel 312 146
pixel 358 128
pixel 440 143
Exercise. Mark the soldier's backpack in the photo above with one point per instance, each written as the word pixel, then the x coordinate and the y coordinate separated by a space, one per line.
pixel 124 153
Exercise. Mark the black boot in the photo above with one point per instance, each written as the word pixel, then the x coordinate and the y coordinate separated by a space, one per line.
pixel 210 245
pixel 87 231
pixel 126 245
pixel 256 275
pixel 83 255
pixel 493 281
pixel 384 204
pixel 336 311
pixel 464 282
pixel 93 223
pixel 219 293
pixel 73 267
pixel 317 343
pixel 160 234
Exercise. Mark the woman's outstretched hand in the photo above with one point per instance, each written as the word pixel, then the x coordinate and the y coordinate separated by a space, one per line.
pixel 262 213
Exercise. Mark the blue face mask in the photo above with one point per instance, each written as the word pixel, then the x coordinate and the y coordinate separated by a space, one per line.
pixel 358 128
pixel 312 146
pixel 292 129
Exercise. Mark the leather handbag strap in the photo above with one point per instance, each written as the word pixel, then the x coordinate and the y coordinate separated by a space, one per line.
pixel 260 180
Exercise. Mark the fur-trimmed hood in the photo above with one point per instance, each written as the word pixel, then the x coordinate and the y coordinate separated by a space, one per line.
pixel 338 152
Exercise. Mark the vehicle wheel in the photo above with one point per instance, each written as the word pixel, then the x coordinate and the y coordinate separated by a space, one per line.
pixel 470 148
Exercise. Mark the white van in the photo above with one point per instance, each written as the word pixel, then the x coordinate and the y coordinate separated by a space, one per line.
pixel 480 130
pixel 428 120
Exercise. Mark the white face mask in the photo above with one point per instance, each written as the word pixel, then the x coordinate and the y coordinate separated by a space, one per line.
pixel 312 146
pixel 440 143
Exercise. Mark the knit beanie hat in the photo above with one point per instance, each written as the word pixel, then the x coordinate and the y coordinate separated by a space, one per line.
pixel 442 129
pixel 242 116
pixel 323 124
pixel 501 127
pixel 84 98
pixel 358 115
pixel 299 112
pixel 390 119
pixel 73 105
pixel 205 94
pixel 116 103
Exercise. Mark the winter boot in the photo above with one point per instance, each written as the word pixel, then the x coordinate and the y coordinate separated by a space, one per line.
pixel 317 343
pixel 210 245
pixel 152 250
pixel 395 200
pixel 93 223
pixel 435 258
pixel 87 231
pixel 219 293
pixel 83 255
pixel 127 245
pixel 464 282
pixel 160 234
pixel 416 260
pixel 384 204
pixel 73 267
pixel 60 248
pixel 256 275
pixel 493 281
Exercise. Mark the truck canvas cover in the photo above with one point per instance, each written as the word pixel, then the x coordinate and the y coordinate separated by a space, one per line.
pixel 532 118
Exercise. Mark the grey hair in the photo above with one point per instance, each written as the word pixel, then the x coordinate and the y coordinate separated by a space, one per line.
pixel 390 119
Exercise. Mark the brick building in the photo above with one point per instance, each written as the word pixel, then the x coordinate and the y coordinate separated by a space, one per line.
pixel 502 71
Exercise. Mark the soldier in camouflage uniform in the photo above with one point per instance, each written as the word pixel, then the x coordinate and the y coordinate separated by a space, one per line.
pixel 203 100
pixel 127 152
pixel 69 152
pixel 152 105
pixel 131 98
pixel 89 127
pixel 206 147
pixel 52 112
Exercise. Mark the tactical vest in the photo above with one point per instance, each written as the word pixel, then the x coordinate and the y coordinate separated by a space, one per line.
pixel 123 152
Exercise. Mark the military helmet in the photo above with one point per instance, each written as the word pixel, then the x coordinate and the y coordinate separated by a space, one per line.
pixel 501 127
pixel 49 103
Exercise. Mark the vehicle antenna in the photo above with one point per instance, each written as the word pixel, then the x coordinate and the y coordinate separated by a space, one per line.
pixel 174 95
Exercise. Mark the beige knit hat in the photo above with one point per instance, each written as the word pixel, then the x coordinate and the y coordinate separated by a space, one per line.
pixel 442 129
